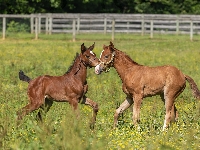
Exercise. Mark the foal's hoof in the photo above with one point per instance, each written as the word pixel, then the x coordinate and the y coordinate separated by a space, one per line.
pixel 19 123
pixel 92 126
pixel 96 108
pixel 132 127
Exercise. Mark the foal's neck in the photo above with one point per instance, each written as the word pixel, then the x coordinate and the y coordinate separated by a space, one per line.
pixel 122 62
pixel 79 70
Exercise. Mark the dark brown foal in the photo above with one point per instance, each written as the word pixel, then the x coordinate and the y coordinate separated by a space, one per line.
pixel 70 87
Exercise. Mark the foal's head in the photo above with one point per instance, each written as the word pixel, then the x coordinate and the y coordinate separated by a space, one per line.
pixel 106 59
pixel 87 57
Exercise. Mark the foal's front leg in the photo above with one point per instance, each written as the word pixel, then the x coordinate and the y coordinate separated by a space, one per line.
pixel 95 107
pixel 74 104
pixel 126 104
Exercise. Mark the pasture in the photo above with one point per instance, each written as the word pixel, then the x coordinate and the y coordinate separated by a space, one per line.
pixel 61 129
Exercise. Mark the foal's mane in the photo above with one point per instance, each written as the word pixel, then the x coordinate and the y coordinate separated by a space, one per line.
pixel 127 57
pixel 72 64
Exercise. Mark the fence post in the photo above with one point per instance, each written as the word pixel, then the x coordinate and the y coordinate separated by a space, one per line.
pixel 113 29
pixel 177 25
pixel 191 30
pixel 50 23
pixel 151 29
pixel 74 30
pixel 47 25
pixel 4 27
pixel 105 24
pixel 142 25
pixel 36 28
pixel 78 24
pixel 127 27
pixel 39 23
pixel 32 24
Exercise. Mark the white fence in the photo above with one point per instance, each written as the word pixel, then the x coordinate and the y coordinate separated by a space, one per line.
pixel 109 23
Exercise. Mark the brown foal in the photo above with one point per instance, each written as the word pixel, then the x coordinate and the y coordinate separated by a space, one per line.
pixel 140 81
pixel 70 87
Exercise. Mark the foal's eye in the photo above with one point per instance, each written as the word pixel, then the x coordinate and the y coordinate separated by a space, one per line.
pixel 106 57
pixel 87 56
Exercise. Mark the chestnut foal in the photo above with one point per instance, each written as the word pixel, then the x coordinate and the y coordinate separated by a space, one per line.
pixel 140 81
pixel 70 87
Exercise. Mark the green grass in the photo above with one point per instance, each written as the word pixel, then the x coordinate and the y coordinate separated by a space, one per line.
pixel 53 54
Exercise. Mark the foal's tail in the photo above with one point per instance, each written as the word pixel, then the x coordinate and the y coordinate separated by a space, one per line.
pixel 24 77
pixel 193 86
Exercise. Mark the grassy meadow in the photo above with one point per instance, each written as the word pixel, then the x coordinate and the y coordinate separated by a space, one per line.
pixel 61 130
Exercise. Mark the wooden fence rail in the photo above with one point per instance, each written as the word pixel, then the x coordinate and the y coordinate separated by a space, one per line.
pixel 108 23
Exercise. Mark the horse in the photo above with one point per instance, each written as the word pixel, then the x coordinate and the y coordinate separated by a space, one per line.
pixel 139 81
pixel 70 87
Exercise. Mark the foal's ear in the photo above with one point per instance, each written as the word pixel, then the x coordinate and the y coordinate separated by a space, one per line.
pixel 91 47
pixel 111 44
pixel 111 47
pixel 83 48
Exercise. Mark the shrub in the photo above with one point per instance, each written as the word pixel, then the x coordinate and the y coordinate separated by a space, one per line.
pixel 17 27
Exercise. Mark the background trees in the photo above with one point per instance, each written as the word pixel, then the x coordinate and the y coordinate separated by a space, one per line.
pixel 100 6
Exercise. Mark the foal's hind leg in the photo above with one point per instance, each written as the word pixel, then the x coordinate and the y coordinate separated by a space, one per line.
pixel 95 107
pixel 174 112
pixel 28 108
pixel 126 104
pixel 170 114
pixel 171 111
pixel 45 108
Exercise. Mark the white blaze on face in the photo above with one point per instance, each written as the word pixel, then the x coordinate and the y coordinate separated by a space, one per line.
pixel 101 53
pixel 91 53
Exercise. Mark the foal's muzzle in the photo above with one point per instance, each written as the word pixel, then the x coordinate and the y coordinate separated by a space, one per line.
pixel 102 67
pixel 98 69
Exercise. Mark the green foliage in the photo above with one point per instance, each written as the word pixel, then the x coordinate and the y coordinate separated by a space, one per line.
pixel 17 27
pixel 61 129
pixel 26 6
pixel 100 6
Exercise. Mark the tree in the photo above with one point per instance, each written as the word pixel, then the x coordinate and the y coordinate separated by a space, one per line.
pixel 27 6
pixel 100 6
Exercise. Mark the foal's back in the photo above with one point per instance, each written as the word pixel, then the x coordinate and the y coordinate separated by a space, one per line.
pixel 58 88
pixel 155 80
